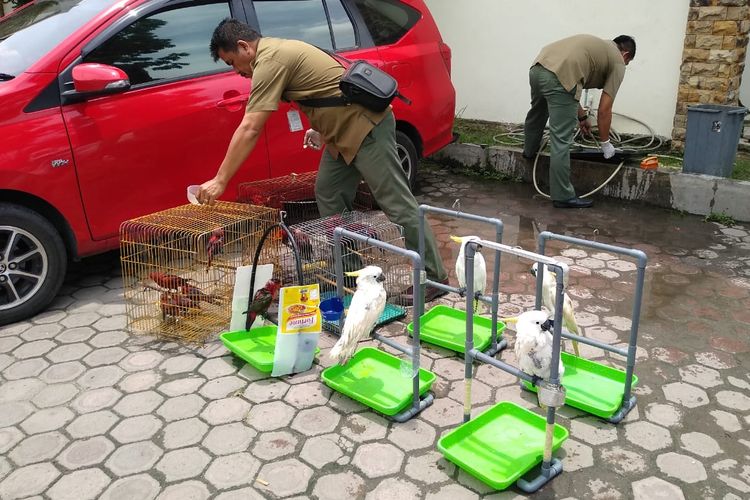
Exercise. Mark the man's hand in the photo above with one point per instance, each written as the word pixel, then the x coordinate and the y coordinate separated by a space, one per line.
pixel 585 126
pixel 312 139
pixel 209 191
pixel 607 149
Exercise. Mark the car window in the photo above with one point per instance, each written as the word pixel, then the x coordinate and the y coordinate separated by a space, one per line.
pixel 387 20
pixel 343 29
pixel 165 45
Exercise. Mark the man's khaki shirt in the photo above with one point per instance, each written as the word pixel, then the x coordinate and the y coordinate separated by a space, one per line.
pixel 584 62
pixel 293 70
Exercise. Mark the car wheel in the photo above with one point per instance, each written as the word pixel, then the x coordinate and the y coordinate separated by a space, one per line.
pixel 33 261
pixel 407 155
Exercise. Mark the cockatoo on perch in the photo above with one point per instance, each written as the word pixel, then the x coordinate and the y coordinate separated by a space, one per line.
pixel 366 307
pixel 533 346
pixel 480 267
pixel 549 290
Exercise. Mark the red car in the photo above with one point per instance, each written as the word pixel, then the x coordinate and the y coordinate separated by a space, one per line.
pixel 109 109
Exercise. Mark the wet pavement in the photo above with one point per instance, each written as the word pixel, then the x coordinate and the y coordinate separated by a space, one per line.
pixel 89 411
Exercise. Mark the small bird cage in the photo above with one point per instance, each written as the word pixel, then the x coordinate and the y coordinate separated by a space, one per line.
pixel 294 194
pixel 315 243
pixel 179 266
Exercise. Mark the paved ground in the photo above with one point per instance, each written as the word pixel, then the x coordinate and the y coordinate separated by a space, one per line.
pixel 89 411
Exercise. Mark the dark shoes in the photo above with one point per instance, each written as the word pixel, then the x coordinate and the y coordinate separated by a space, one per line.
pixel 430 294
pixel 573 203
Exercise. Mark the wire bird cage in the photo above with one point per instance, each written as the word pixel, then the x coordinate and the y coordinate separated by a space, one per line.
pixel 314 241
pixel 294 194
pixel 179 266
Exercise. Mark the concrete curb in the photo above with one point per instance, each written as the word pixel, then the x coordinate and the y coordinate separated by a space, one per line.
pixel 691 193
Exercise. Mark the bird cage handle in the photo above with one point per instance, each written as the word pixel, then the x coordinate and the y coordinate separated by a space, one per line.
pixel 297 261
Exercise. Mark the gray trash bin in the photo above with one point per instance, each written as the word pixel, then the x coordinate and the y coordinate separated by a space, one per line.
pixel 713 134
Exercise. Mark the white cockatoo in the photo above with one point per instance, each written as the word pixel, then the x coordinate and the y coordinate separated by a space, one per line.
pixel 549 291
pixel 366 307
pixel 533 346
pixel 480 267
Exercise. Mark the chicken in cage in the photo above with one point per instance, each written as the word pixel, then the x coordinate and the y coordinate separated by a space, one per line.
pixel 294 195
pixel 179 266
pixel 315 244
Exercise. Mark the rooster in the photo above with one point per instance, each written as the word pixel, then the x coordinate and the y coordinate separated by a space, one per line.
pixel 197 295
pixel 214 245
pixel 168 281
pixel 262 300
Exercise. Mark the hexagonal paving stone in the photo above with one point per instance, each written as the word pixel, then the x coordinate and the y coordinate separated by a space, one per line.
pixel 593 431
pixel 270 416
pixel 232 470
pixel 663 414
pixel 222 387
pixel 135 429
pixel 26 368
pixel 180 364
pixel 183 463
pixel 717 360
pixel 40 332
pixel 391 488
pixel 682 467
pixel 452 492
pixel 685 394
pixel 700 375
pixel 378 459
pixel 321 451
pixel 73 335
pixel 341 485
pixel 647 435
pixel 623 461
pixel 225 410
pixel 142 360
pixel 272 445
pixel 192 490
pixel 700 444
pixel 576 455
pixel 117 322
pixel 139 381
pixel 184 433
pixel 108 339
pixel 54 395
pixel 412 435
pixel 229 438
pixel 48 419
pixel 7 344
pixel 38 448
pixel 104 376
pixel 307 395
pixel 444 413
pixel 315 421
pixel 266 390
pixel 92 424
pixel 727 421
pixel 450 368
pixel 20 390
pixel 139 403
pixel 86 453
pixel 218 367
pixel 733 400
pixel 653 487
pixel 96 399
pixel 105 356
pixel 285 478
pixel 364 427
pixel 181 407
pixel 14 412
pixel 27 481
pixel 141 487
pixel 79 485
pixel 9 437
pixel 429 467
pixel 133 458
pixel 63 372
pixel 68 352
pixel 181 386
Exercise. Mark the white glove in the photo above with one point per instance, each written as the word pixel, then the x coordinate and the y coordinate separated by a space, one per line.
pixel 607 149
pixel 312 139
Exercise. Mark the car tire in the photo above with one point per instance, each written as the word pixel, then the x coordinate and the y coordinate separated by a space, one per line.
pixel 407 155
pixel 25 232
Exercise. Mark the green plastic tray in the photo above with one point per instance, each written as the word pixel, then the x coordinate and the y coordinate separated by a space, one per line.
pixel 500 445
pixel 446 327
pixel 390 314
pixel 373 377
pixel 255 346
pixel 591 386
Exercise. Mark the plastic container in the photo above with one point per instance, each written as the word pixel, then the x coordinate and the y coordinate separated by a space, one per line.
pixel 711 140
pixel 256 346
pixel 446 327
pixel 332 309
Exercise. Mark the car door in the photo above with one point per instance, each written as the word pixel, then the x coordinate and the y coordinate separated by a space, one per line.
pixel 137 151
pixel 326 24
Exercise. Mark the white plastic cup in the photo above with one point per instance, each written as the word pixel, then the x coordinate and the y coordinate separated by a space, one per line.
pixel 192 192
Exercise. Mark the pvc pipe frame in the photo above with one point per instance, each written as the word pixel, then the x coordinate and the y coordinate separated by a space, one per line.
pixel 492 299
pixel 628 400
pixel 418 403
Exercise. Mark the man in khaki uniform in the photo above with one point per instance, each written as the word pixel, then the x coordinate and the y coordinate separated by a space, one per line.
pixel 559 73
pixel 359 143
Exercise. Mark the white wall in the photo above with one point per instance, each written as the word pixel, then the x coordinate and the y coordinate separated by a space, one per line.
pixel 495 41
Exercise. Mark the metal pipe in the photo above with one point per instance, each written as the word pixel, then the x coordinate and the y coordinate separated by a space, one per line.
pixel 392 343
pixel 501 365
pixel 469 252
